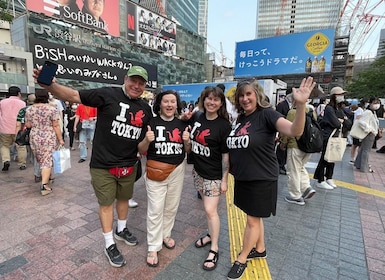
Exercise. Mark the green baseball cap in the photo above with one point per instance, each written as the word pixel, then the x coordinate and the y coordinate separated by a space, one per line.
pixel 138 71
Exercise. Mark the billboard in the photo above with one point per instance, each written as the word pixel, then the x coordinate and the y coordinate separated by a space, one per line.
pixel 84 65
pixel 307 52
pixel 150 30
pixel 92 14
pixel 191 92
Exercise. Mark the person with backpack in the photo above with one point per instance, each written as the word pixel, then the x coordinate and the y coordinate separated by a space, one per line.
pixel 299 150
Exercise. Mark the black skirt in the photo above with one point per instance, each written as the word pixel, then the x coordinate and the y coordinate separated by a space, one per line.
pixel 256 198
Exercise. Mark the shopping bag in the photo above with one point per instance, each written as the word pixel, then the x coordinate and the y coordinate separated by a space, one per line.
pixel 357 131
pixel 335 147
pixel 61 160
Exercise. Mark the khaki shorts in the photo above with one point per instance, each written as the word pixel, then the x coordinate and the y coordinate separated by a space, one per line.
pixel 207 187
pixel 107 187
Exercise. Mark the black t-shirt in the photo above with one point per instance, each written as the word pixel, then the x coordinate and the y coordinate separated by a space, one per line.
pixel 208 140
pixel 168 146
pixel 251 146
pixel 121 125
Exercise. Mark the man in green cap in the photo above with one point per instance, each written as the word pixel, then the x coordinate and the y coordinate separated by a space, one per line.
pixel 122 119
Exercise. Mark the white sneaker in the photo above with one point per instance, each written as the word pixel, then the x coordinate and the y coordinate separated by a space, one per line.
pixel 331 183
pixel 324 185
pixel 132 203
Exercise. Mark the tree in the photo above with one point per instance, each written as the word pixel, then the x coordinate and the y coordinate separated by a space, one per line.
pixel 4 15
pixel 370 82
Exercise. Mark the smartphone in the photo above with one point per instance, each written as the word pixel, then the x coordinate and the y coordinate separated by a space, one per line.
pixel 48 72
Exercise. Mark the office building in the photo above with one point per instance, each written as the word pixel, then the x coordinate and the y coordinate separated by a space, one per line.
pixel 381 44
pixel 280 17
pixel 91 56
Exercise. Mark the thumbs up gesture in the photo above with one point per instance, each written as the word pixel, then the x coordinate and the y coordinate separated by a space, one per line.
pixel 186 134
pixel 150 135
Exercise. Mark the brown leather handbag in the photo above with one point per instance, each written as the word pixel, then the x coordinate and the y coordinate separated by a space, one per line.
pixel 158 171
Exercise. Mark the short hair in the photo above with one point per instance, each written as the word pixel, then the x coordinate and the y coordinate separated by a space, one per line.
pixel 13 91
pixel 222 87
pixel 42 97
pixel 31 98
pixel 158 100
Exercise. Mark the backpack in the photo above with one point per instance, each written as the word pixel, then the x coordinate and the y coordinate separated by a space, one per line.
pixel 311 140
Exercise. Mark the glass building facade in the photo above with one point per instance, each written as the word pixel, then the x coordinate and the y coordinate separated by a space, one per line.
pixel 381 44
pixel 185 12
pixel 280 17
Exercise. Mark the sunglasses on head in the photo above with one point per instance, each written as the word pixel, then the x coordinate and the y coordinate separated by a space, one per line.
pixel 247 81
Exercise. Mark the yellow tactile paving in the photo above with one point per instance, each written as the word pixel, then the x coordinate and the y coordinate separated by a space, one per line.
pixel 357 188
pixel 256 269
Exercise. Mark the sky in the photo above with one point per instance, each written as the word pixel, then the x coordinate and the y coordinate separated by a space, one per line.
pixel 231 21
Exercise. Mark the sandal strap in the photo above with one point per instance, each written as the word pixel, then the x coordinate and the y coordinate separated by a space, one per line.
pixel 213 260
pixel 213 252
pixel 201 239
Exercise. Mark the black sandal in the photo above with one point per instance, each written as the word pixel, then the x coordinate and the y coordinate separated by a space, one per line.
pixel 44 189
pixel 201 241
pixel 213 260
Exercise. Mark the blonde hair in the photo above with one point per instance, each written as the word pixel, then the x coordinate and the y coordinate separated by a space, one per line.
pixel 262 100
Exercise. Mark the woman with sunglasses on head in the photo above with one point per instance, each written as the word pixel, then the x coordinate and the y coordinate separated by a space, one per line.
pixel 166 141
pixel 211 163
pixel 253 161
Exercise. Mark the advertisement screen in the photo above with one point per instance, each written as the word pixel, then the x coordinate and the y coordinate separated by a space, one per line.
pixel 308 52
pixel 98 15
pixel 191 92
pixel 84 65
pixel 151 30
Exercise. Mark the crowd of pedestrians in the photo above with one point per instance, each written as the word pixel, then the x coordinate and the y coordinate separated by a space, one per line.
pixel 123 127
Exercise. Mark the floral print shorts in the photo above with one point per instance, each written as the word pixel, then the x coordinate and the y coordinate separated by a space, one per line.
pixel 207 187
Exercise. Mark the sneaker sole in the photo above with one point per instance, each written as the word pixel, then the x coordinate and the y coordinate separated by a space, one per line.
pixel 309 195
pixel 329 188
pixel 295 202
pixel 111 263
pixel 125 241
pixel 250 259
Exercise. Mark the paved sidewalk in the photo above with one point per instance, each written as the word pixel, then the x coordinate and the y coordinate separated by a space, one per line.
pixel 338 234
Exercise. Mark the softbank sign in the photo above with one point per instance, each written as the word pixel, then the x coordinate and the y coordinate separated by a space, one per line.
pixel 92 14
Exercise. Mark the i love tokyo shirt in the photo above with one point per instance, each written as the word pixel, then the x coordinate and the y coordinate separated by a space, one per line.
pixel 252 146
pixel 208 143
pixel 168 146
pixel 121 125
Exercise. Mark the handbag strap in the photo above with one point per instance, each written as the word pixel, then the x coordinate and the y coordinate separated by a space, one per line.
pixel 334 131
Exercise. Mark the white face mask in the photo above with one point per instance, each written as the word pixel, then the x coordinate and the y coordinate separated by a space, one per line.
pixel 74 107
pixel 375 107
pixel 340 98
